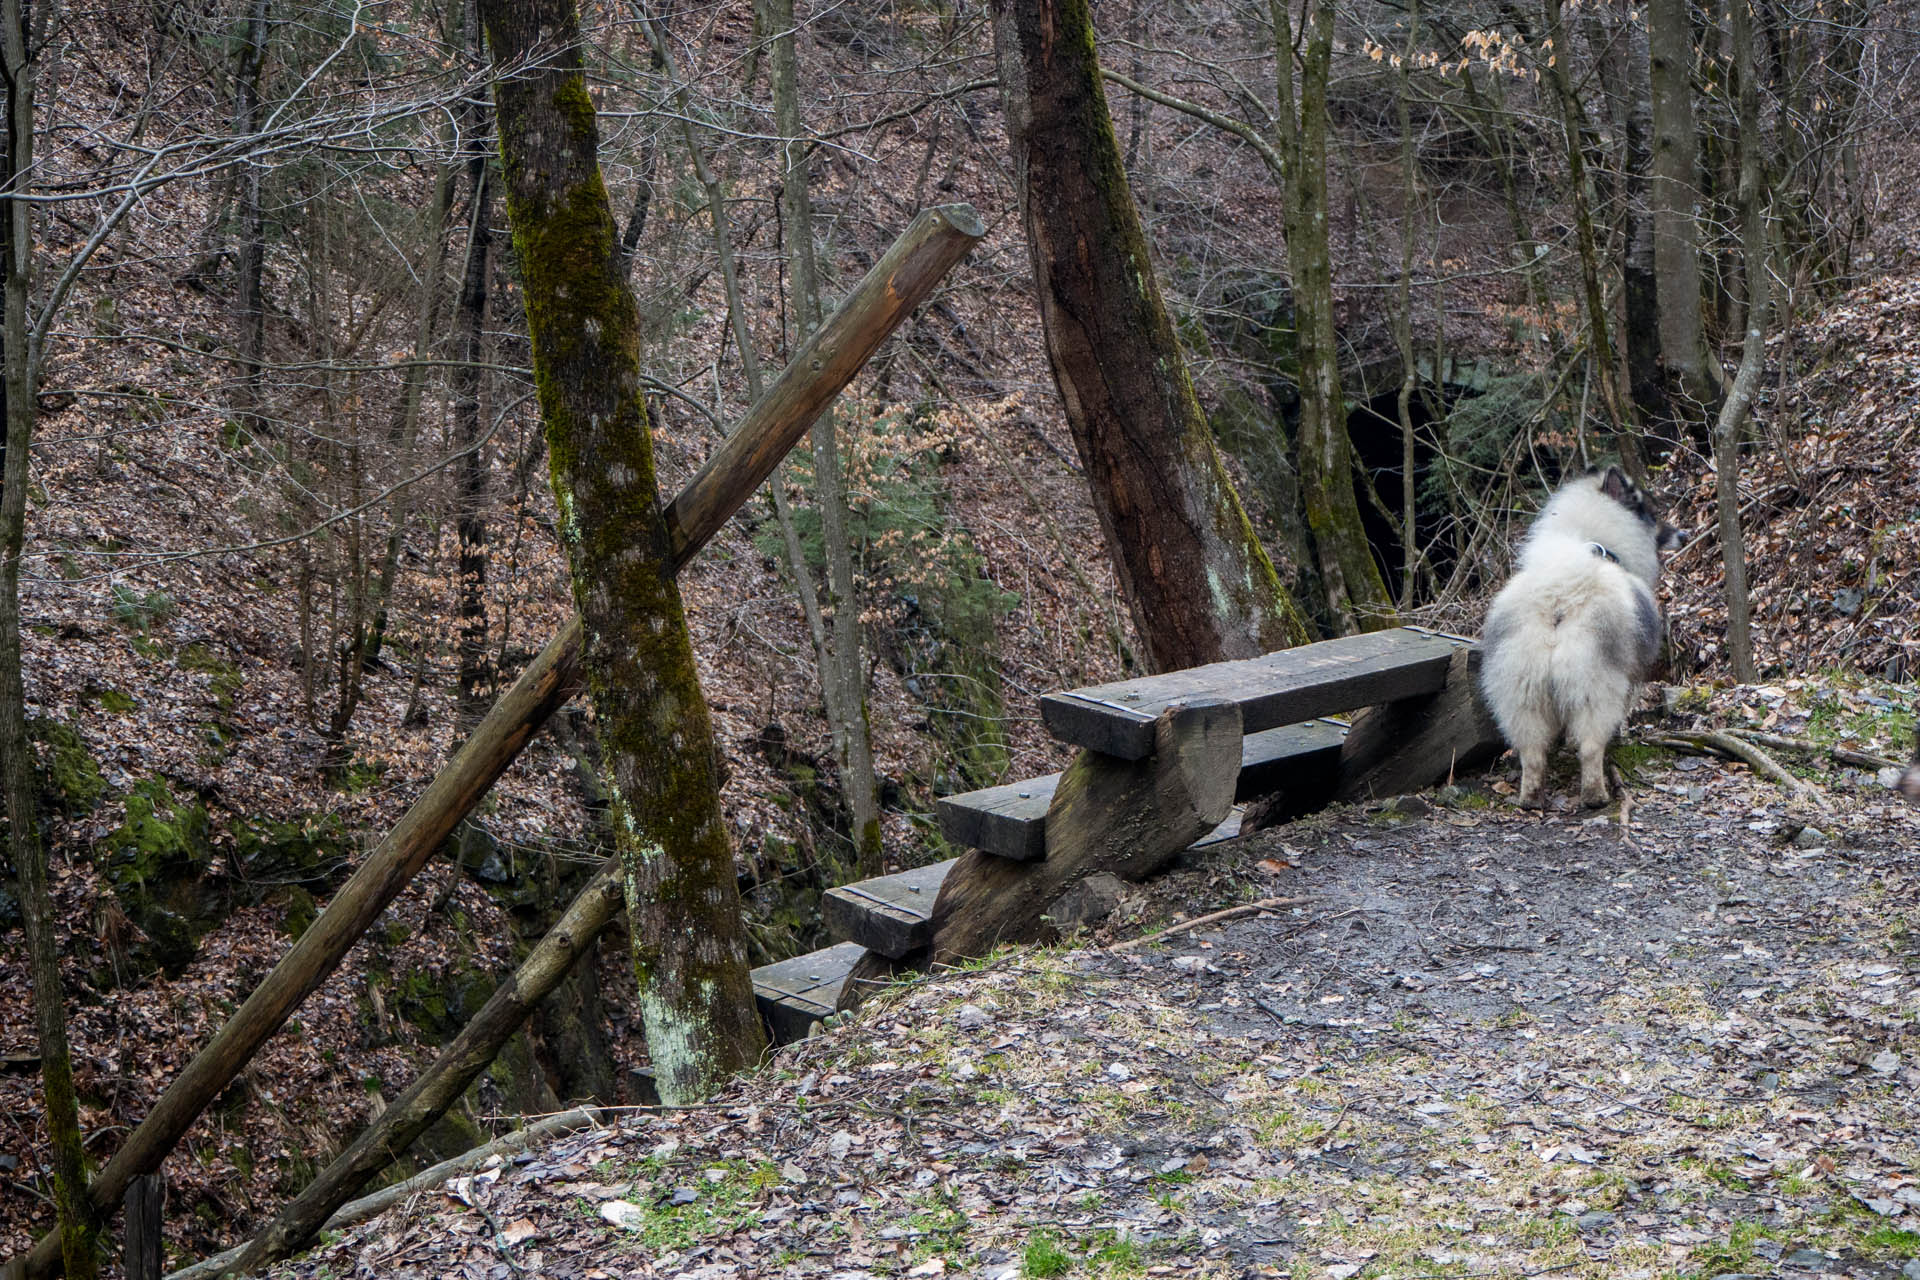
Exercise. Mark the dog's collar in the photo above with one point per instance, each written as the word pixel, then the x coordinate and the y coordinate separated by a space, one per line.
pixel 1602 552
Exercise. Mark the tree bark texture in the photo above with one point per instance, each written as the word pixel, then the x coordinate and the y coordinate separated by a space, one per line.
pixel 1198 582
pixel 1733 413
pixel 1356 595
pixel 250 260
pixel 476 667
pixel 1639 268
pixel 658 749
pixel 77 1218
pixel 1675 197
pixel 886 295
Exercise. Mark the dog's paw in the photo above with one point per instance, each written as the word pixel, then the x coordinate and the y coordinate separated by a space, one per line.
pixel 1595 799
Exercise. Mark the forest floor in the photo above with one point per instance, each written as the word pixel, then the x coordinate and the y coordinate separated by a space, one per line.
pixel 1482 1043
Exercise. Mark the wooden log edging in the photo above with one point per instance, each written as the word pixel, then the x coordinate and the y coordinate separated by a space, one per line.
pixel 903 278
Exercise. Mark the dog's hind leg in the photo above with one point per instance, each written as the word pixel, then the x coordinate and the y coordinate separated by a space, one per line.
pixel 1596 718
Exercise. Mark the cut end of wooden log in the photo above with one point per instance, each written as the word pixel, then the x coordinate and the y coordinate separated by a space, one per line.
pixel 962 218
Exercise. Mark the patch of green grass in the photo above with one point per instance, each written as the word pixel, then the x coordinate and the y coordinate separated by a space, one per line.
pixel 1115 1256
pixel 938 1225
pixel 718 1206
pixel 1719 1173
pixel 1736 1254
pixel 1890 1242
pixel 1043 1257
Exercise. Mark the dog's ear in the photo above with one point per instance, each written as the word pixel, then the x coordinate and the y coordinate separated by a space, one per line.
pixel 1616 486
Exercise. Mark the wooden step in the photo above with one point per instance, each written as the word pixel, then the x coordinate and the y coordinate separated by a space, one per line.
pixel 1302 760
pixel 888 914
pixel 794 994
pixel 1275 689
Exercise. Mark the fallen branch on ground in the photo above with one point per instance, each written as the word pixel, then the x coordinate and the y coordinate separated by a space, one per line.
pixel 1231 913
pixel 1845 755
pixel 1725 744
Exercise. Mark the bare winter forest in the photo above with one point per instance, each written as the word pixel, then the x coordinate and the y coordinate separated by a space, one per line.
pixel 1280 324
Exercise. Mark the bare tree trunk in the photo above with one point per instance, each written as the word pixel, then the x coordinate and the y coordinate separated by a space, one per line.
pixel 1200 586
pixel 833 695
pixel 660 757
pixel 1675 197
pixel 78 1222
pixel 1355 593
pixel 250 263
pixel 476 667
pixel 1726 432
pixel 1403 324
pixel 1640 275
pixel 1605 371
pixel 853 745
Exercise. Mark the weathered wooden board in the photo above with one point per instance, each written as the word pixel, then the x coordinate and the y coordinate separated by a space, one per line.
pixel 1228 830
pixel 1416 742
pixel 888 914
pixel 1007 820
pixel 1275 689
pixel 794 994
pixel 1303 760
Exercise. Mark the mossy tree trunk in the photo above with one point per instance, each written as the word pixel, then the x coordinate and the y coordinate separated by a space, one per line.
pixel 1199 584
pixel 689 945
pixel 78 1225
pixel 1356 593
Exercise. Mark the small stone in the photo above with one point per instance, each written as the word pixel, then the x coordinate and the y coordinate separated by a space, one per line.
pixel 1807 1259
pixel 621 1213
pixel 1809 838
pixel 1598 1220
pixel 1086 902
pixel 1885 1062
pixel 972 1017
pixel 1912 1270
pixel 1410 806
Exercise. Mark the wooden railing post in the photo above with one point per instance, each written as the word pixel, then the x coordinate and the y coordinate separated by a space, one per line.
pixel 146 1216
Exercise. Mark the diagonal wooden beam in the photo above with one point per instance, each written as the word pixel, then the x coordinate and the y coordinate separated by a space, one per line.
pixel 931 245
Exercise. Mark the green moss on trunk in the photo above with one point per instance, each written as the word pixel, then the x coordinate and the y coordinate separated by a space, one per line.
pixel 656 737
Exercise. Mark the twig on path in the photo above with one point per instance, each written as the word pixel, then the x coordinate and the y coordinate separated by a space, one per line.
pixel 1231 913
pixel 1761 762
pixel 1626 806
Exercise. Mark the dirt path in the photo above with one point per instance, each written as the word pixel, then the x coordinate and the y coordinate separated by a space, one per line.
pixel 1492 1044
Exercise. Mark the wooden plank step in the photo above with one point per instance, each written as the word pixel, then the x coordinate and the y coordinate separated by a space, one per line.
pixel 1010 820
pixel 1274 689
pixel 888 914
pixel 794 994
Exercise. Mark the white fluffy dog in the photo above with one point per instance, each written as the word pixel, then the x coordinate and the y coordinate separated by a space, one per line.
pixel 1576 629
